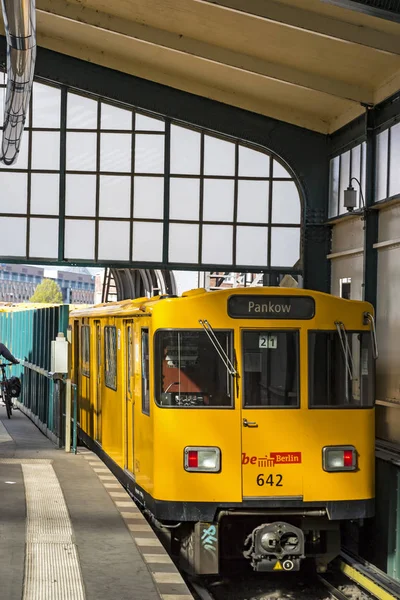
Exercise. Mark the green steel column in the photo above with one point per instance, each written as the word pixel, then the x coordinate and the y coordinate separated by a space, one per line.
pixel 371 216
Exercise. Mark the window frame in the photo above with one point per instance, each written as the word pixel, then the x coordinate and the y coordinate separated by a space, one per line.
pixel 85 350
pixel 297 331
pixel 129 356
pixel 145 401
pixel 341 406
pixel 106 343
pixel 156 362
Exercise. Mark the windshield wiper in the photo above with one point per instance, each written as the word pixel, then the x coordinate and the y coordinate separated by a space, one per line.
pixel 221 352
pixel 368 318
pixel 348 358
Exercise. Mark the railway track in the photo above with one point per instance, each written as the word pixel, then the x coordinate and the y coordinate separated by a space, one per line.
pixel 351 578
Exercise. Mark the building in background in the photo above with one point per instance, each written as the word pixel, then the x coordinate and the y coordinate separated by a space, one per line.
pixel 18 283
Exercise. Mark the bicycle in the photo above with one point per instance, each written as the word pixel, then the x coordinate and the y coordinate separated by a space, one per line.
pixel 4 389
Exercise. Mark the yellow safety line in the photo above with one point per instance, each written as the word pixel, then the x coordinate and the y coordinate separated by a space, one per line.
pixel 366 583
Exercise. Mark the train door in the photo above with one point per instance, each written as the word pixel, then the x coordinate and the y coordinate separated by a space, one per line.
pixel 98 425
pixel 271 425
pixel 129 398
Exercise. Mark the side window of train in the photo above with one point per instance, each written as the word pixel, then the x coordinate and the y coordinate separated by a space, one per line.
pixel 110 356
pixel 145 372
pixel 129 359
pixel 85 350
pixel 341 374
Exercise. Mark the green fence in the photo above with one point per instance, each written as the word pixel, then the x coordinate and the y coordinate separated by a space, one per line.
pixel 28 334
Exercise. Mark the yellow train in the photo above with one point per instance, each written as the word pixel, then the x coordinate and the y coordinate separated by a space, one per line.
pixel 242 420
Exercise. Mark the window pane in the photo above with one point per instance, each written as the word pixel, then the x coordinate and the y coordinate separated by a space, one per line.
pixel 381 165
pixel 13 236
pixel 145 373
pixel 191 371
pixel 394 185
pixel 79 239
pixel 183 243
pixel 148 123
pixel 43 239
pixel 110 357
pixel 252 246
pixel 46 150
pixel 115 196
pixel 184 199
pixel 14 190
pixel 334 186
pixel 113 117
pixel 81 112
pixel 341 376
pixel 280 170
pixel 115 152
pixel 147 242
pixel 219 156
pixel 114 240
pixel 285 202
pixel 148 198
pixel 285 246
pixel 344 179
pixel 85 350
pixel 22 160
pixel 185 151
pixel 356 162
pixel 218 200
pixel 129 359
pixel 81 151
pixel 217 244
pixel 80 195
pixel 149 153
pixel 45 194
pixel 46 106
pixel 271 368
pixel 253 201
pixel 253 163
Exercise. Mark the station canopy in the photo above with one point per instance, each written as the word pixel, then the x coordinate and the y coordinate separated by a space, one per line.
pixel 313 63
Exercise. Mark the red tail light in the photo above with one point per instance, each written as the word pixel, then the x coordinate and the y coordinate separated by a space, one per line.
pixel 202 459
pixel 339 458
pixel 193 459
pixel 348 458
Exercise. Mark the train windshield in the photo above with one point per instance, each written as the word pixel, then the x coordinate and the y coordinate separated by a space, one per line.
pixel 341 369
pixel 271 369
pixel 189 371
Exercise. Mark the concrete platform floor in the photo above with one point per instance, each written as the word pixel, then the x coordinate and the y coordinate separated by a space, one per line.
pixel 69 531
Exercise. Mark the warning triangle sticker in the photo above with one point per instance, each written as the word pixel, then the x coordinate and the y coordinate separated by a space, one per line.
pixel 278 566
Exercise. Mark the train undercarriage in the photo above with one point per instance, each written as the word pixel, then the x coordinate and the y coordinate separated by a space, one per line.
pixel 268 541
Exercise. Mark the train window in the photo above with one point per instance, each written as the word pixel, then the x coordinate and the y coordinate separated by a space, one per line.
pixel 271 369
pixel 145 373
pixel 110 353
pixel 129 359
pixel 341 375
pixel 85 350
pixel 190 372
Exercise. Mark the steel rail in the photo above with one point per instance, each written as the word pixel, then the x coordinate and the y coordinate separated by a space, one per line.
pixel 368 577
pixel 334 592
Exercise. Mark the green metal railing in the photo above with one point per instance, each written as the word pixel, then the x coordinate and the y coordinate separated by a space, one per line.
pixel 28 334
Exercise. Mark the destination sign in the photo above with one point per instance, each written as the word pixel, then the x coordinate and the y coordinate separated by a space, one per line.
pixel 271 307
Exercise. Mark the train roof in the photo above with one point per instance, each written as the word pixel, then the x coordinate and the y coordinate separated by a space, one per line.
pixel 147 305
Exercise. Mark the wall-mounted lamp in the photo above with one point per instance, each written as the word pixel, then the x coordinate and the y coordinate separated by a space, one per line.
pixel 350 196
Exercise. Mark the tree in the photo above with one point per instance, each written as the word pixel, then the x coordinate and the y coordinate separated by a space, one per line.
pixel 47 292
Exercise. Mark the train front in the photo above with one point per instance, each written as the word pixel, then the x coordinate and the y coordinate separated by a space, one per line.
pixel 265 407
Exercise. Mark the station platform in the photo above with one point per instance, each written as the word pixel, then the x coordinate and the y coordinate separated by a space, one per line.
pixel 69 530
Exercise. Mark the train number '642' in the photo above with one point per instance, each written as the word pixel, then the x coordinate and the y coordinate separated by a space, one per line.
pixel 275 480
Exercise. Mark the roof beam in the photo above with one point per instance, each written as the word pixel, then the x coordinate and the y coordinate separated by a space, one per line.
pixel 313 22
pixel 175 42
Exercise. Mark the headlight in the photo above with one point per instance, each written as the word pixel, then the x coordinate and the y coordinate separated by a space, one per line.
pixel 339 458
pixel 202 459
